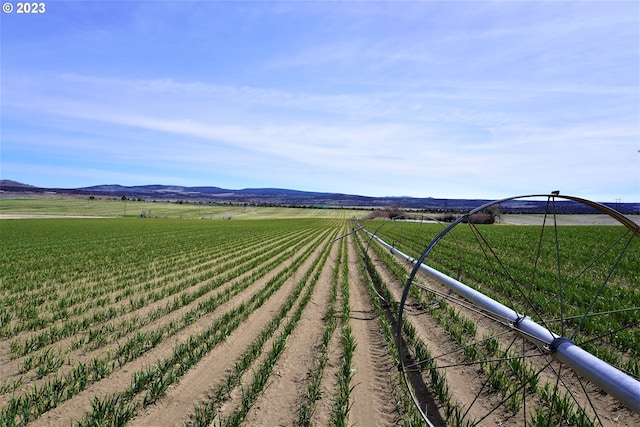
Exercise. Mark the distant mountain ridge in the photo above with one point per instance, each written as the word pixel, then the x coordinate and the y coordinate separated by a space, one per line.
pixel 9 183
pixel 197 190
pixel 275 196
pixel 287 197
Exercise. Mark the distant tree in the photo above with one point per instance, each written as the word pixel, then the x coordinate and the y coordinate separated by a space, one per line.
pixel 494 211
pixel 480 218
pixel 391 212
pixel 395 212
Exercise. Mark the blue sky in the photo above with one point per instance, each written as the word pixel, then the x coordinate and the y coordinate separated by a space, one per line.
pixel 443 99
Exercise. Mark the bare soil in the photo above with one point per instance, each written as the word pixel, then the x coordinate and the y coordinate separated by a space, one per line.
pixel 594 219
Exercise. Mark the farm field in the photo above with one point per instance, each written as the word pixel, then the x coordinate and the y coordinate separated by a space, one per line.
pixel 590 219
pixel 82 207
pixel 182 321
pixel 280 321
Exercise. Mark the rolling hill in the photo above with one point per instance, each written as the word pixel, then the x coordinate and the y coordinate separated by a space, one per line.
pixel 288 197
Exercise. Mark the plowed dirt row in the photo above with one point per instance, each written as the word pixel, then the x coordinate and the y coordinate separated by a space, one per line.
pixel 12 367
pixel 199 382
pixel 374 365
pixel 464 380
pixel 278 405
pixel 120 380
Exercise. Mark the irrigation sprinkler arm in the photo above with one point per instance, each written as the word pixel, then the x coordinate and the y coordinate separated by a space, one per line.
pixel 608 378
pixel 635 228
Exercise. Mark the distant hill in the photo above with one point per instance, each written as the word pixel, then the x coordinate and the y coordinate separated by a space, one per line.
pixel 15 184
pixel 286 197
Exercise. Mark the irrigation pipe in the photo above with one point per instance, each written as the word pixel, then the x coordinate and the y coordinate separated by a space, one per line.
pixel 621 386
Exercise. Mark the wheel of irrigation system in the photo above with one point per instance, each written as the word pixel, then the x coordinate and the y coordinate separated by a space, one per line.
pixel 544 318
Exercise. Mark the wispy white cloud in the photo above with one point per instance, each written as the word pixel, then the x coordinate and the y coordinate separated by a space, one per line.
pixel 419 141
pixel 424 99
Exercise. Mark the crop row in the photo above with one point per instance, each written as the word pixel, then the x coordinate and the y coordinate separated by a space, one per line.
pixel 506 371
pixel 385 307
pixel 187 354
pixel 180 284
pixel 142 341
pixel 436 381
pixel 590 268
pixel 207 412
pixel 28 402
pixel 118 271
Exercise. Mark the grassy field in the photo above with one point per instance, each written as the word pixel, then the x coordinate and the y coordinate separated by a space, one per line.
pixel 84 207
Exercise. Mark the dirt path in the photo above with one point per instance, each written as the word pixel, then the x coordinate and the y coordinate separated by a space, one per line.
pixel 374 366
pixel 200 382
pixel 278 405
pixel 464 380
pixel 121 378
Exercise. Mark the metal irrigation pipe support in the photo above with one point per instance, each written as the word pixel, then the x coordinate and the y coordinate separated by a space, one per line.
pixel 613 381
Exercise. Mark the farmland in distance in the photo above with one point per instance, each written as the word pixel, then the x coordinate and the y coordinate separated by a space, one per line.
pixel 53 207
pixel 168 321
